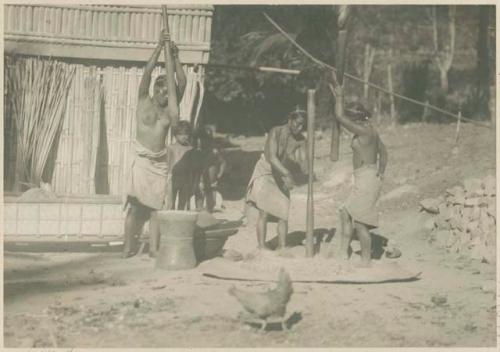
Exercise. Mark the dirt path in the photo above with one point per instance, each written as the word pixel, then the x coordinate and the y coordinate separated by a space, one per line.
pixel 99 300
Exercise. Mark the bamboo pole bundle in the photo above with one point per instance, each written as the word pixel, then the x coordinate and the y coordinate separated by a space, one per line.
pixel 114 26
pixel 201 93
pixel 101 24
pixel 52 19
pixel 129 119
pixel 7 18
pixel 175 20
pixel 201 29
pixel 37 91
pixel 64 145
pixel 96 110
pixel 185 105
pixel 157 25
pixel 195 28
pixel 64 21
pixel 21 18
pixel 83 26
pixel 133 26
pixel 193 96
pixel 126 28
pixel 189 28
pixel 75 132
pixel 208 27
pixel 122 141
pixel 182 28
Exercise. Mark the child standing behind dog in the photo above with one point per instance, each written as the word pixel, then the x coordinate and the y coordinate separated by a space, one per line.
pixel 214 166
pixel 185 168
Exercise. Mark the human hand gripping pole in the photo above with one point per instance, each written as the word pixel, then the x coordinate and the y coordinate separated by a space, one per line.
pixel 173 107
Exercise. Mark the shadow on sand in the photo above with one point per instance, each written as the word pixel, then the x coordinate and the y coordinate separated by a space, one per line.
pixel 325 236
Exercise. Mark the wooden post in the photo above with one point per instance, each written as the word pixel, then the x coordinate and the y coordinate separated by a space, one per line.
pixel 426 111
pixel 310 161
pixel 378 108
pixel 457 131
pixel 391 96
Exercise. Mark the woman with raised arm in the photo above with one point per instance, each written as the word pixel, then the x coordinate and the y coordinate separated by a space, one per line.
pixel 359 213
pixel 148 175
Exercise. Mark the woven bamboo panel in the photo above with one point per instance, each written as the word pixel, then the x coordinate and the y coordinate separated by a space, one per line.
pixel 91 31
pixel 67 220
pixel 98 131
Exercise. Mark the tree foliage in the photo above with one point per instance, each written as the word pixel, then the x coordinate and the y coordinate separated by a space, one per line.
pixel 242 36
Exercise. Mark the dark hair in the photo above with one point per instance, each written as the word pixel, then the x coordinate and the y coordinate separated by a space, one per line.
pixel 183 127
pixel 205 136
pixel 357 112
pixel 298 112
pixel 161 80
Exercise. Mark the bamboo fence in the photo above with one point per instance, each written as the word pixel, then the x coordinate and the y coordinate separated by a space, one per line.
pixel 99 122
pixel 111 107
pixel 87 27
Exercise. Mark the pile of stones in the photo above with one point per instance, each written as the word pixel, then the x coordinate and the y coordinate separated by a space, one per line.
pixel 464 220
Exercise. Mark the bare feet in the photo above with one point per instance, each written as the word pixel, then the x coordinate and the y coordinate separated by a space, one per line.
pixel 340 255
pixel 128 253
pixel 130 250
pixel 363 264
pixel 264 248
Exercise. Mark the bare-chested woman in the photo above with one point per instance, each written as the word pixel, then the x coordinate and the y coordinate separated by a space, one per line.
pixel 369 161
pixel 272 179
pixel 148 178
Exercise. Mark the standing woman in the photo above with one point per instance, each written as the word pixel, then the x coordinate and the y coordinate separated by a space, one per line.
pixel 273 177
pixel 359 213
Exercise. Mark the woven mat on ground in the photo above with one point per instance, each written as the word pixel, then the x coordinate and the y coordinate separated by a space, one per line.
pixel 305 270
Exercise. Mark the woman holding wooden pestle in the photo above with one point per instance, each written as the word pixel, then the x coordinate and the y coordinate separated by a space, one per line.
pixel 154 116
pixel 359 213
pixel 275 175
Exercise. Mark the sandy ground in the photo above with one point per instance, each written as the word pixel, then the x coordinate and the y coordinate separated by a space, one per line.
pixel 100 300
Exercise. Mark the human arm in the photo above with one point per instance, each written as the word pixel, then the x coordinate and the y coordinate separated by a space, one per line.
pixel 357 129
pixel 222 165
pixel 179 73
pixel 383 158
pixel 172 99
pixel 148 69
pixel 274 160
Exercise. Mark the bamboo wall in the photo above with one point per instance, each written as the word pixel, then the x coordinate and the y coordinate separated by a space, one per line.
pixel 93 154
pixel 99 128
pixel 90 31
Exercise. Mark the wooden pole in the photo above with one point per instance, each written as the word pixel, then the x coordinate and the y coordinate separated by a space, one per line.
pixel 426 111
pixel 378 108
pixel 391 97
pixel 368 65
pixel 342 25
pixel 169 68
pixel 310 161
pixel 285 71
pixel 457 131
pixel 372 85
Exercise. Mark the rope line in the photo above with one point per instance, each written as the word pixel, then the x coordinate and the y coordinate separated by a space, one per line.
pixel 375 86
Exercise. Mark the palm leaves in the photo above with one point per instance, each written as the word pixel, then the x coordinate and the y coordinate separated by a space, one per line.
pixel 261 43
pixel 314 28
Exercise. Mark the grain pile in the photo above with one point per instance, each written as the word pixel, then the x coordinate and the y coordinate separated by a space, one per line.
pixel 465 218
